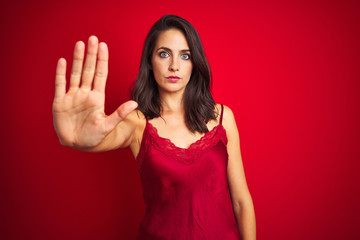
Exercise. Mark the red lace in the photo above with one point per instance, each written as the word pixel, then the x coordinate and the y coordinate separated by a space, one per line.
pixel 187 155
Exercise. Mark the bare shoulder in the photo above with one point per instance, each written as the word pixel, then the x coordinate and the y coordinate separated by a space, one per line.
pixel 228 118
pixel 136 117
pixel 136 121
pixel 227 114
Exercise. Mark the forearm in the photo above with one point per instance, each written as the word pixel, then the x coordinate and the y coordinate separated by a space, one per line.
pixel 115 139
pixel 245 217
pixel 106 144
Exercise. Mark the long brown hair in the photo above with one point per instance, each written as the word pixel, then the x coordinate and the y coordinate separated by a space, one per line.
pixel 198 102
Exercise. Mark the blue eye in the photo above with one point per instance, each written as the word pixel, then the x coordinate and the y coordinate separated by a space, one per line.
pixel 164 54
pixel 185 56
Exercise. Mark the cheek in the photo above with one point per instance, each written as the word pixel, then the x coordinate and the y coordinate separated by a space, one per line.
pixel 189 69
pixel 158 66
pixel 155 69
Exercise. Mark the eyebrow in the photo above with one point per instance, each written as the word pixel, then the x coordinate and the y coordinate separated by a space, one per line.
pixel 169 50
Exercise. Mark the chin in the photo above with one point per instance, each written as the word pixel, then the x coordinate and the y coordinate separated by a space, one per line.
pixel 172 89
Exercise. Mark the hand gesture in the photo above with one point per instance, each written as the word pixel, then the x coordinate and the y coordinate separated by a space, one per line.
pixel 79 117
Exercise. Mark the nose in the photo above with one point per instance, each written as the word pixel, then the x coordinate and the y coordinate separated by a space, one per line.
pixel 174 65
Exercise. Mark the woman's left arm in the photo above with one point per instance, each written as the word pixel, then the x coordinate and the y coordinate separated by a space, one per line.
pixel 240 195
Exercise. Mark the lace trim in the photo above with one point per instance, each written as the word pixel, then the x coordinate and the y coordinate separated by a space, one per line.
pixel 187 155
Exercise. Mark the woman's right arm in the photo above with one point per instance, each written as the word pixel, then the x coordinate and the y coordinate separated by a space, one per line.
pixel 79 118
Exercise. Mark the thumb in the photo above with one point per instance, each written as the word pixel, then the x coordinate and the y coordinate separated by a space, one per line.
pixel 120 113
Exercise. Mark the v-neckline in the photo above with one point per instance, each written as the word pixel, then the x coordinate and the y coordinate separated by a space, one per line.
pixel 181 148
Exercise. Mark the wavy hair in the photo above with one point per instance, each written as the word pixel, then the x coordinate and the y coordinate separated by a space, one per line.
pixel 198 102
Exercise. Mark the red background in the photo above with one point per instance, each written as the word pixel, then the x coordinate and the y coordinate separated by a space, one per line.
pixel 289 71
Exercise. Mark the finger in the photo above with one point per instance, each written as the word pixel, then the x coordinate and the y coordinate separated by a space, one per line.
pixel 60 79
pixel 77 64
pixel 120 113
pixel 101 71
pixel 90 63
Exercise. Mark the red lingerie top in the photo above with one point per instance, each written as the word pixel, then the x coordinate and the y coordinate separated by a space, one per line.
pixel 186 191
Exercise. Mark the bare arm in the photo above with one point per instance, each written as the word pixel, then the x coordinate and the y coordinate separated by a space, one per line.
pixel 79 118
pixel 240 195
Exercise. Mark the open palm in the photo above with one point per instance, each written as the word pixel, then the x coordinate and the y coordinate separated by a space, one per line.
pixel 79 117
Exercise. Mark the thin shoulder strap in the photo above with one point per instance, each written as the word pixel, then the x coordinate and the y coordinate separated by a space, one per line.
pixel 221 115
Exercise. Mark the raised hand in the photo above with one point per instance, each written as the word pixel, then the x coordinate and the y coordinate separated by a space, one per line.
pixel 79 117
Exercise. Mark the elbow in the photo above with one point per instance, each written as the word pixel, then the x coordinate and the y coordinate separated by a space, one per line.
pixel 240 204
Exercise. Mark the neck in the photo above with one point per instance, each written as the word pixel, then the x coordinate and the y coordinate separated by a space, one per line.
pixel 172 102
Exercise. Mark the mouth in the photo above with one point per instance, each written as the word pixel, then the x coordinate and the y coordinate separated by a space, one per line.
pixel 173 78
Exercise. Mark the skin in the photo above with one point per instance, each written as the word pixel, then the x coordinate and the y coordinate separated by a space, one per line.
pixel 80 121
pixel 172 58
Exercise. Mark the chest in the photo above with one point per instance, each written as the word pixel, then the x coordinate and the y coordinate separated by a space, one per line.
pixel 193 168
pixel 177 132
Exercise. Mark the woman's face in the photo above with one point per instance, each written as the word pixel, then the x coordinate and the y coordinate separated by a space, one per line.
pixel 171 61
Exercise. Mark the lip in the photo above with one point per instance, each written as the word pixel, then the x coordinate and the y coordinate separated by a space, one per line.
pixel 173 79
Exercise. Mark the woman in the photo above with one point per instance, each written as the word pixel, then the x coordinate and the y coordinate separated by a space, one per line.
pixel 186 146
